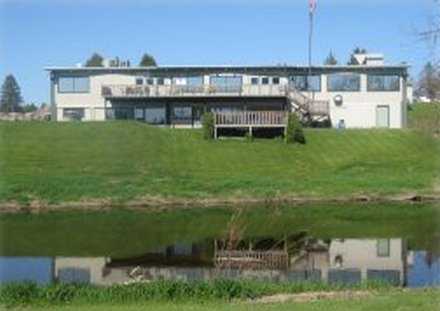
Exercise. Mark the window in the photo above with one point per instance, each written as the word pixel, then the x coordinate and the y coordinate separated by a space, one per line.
pixel 150 81
pixel 275 80
pixel 139 114
pixel 383 83
pixel 265 80
pixel 160 81
pixel 183 114
pixel 73 114
pixel 344 82
pixel 139 81
pixel 155 115
pixel 73 84
pixel 226 84
pixel 254 81
pixel 383 248
pixel 306 83
pixel 194 81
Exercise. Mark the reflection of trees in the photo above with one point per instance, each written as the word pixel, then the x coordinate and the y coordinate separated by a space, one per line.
pixel 235 250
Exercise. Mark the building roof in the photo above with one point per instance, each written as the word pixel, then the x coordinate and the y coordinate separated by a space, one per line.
pixel 177 70
pixel 198 67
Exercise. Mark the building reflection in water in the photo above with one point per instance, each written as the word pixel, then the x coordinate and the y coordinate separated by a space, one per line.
pixel 291 259
pixel 347 261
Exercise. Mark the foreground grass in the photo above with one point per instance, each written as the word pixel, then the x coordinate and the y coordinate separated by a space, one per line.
pixel 59 162
pixel 417 300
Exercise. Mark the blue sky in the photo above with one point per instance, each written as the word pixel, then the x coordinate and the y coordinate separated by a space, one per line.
pixel 39 33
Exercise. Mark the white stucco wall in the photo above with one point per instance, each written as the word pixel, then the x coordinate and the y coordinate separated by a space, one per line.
pixel 362 255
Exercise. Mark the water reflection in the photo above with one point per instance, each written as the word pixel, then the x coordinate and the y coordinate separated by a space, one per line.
pixel 290 259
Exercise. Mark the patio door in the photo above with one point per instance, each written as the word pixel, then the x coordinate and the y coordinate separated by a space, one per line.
pixel 383 116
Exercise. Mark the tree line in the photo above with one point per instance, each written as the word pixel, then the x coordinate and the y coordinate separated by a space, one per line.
pixel 97 60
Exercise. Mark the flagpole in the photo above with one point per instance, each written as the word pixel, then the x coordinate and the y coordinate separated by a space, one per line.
pixel 310 47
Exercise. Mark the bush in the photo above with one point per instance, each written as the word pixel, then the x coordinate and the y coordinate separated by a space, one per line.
pixel 208 125
pixel 294 130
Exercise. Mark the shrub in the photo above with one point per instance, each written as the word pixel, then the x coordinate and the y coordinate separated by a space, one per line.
pixel 208 125
pixel 294 130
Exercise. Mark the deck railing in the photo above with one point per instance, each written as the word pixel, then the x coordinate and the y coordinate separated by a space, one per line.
pixel 110 91
pixel 252 259
pixel 250 118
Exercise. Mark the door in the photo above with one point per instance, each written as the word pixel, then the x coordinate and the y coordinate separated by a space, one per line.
pixel 383 116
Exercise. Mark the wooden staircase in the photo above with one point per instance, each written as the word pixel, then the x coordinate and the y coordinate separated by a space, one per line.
pixel 307 108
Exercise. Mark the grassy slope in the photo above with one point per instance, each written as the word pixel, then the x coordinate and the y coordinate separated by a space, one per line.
pixel 416 300
pixel 122 160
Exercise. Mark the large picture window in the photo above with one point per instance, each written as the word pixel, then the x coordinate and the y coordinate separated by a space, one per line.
pixel 73 84
pixel 383 83
pixel 344 82
pixel 306 83
pixel 226 84
pixel 183 114
pixel 155 115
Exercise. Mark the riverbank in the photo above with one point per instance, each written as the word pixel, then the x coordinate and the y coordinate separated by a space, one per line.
pixel 125 163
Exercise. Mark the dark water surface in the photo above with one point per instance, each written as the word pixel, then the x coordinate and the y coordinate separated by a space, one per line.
pixel 398 244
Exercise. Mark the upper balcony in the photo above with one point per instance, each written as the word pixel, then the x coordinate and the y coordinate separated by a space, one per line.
pixel 299 101
pixel 136 91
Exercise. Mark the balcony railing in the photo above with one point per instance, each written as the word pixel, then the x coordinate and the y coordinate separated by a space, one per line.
pixel 110 91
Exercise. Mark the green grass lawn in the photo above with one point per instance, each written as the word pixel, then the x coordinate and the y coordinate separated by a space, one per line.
pixel 58 162
pixel 426 300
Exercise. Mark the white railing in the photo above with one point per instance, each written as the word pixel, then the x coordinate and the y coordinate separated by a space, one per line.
pixel 250 118
pixel 110 91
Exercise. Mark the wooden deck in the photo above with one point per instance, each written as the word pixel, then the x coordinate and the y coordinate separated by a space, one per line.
pixel 249 120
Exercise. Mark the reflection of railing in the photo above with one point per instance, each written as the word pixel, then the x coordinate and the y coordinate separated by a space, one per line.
pixel 252 259
pixel 250 118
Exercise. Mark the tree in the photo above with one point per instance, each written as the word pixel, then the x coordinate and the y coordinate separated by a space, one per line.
pixel 11 99
pixel 331 59
pixel 30 107
pixel 353 60
pixel 148 61
pixel 95 60
pixel 294 131
pixel 429 82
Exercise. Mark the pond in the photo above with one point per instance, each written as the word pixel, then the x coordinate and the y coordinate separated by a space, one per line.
pixel 349 244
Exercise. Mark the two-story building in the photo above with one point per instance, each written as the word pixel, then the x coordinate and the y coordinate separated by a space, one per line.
pixel 362 96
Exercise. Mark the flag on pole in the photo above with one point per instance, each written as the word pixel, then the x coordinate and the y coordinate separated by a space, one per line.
pixel 312 5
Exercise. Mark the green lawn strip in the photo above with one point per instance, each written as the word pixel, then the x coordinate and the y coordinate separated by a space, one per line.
pixel 408 300
pixel 59 162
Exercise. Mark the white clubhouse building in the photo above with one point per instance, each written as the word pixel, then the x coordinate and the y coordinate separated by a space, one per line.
pixel 367 95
